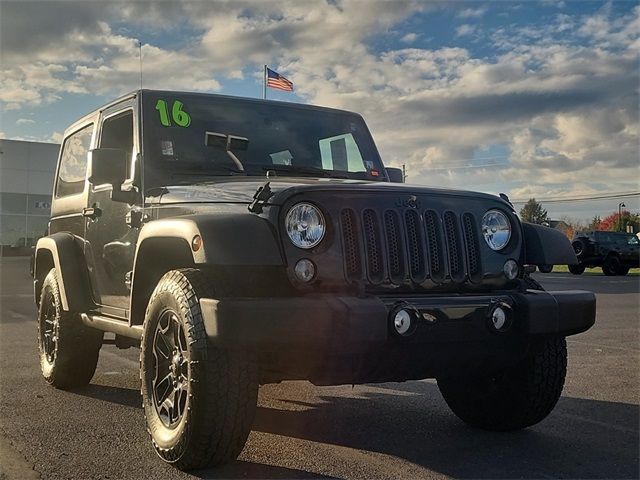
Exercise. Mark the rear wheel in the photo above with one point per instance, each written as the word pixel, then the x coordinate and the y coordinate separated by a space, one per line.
pixel 68 349
pixel 611 266
pixel 514 398
pixel 545 268
pixel 576 269
pixel 199 401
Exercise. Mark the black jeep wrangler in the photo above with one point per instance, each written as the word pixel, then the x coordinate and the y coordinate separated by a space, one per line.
pixel 241 242
pixel 615 252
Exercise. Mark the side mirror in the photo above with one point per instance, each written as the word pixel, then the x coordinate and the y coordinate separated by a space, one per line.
pixel 395 175
pixel 108 165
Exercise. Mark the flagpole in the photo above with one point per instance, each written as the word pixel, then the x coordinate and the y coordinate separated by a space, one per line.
pixel 264 83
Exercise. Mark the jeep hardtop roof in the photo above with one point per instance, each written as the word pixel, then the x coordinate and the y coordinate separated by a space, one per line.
pixel 135 93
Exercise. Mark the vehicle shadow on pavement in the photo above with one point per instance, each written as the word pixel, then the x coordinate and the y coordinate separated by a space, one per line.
pixel 242 469
pixel 129 397
pixel 126 397
pixel 580 439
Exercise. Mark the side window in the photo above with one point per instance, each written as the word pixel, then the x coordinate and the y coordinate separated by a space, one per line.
pixel 117 132
pixel 73 162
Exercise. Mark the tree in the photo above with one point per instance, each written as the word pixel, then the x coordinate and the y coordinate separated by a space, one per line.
pixel 595 223
pixel 533 212
pixel 612 222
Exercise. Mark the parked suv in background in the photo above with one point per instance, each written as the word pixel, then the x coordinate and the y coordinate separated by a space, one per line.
pixel 239 242
pixel 615 252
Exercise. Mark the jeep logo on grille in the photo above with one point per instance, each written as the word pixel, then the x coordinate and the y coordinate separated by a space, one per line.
pixel 411 202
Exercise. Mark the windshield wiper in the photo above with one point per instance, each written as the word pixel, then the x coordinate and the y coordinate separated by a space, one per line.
pixel 310 171
pixel 219 170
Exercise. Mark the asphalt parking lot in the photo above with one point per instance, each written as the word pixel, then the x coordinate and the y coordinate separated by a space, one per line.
pixel 395 430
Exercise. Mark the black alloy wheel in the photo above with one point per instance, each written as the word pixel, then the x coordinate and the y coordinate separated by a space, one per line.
pixel 171 365
pixel 67 348
pixel 199 400
pixel 49 327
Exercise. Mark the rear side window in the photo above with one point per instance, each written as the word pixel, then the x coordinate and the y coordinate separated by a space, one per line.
pixel 73 162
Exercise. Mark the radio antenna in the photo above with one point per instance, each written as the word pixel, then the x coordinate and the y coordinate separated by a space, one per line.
pixel 140 52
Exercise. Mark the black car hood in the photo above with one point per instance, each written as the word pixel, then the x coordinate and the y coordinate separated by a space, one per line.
pixel 242 190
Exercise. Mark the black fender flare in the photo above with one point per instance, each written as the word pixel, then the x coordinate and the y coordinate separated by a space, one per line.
pixel 227 239
pixel 64 252
pixel 546 246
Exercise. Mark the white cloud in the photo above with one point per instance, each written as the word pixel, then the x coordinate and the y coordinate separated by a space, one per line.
pixel 472 12
pixel 465 29
pixel 560 98
pixel 409 38
pixel 25 121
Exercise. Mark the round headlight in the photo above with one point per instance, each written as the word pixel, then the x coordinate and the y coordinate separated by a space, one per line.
pixel 305 225
pixel 496 229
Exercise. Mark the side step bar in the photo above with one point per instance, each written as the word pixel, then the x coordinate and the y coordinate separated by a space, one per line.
pixel 119 327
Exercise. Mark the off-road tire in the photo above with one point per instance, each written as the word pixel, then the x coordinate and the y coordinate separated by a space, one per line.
pixel 611 266
pixel 513 399
pixel 576 269
pixel 72 361
pixel 581 247
pixel 622 270
pixel 222 385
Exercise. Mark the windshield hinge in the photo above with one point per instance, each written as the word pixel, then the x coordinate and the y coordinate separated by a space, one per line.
pixel 260 198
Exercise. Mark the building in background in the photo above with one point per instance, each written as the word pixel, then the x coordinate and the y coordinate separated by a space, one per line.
pixel 27 171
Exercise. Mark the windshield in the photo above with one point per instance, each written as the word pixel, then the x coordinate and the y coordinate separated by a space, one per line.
pixel 189 138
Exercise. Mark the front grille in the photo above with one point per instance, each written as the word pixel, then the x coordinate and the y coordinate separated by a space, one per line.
pixel 395 250
pixel 434 235
pixel 353 265
pixel 454 248
pixel 415 244
pixel 373 245
pixel 409 246
pixel 473 247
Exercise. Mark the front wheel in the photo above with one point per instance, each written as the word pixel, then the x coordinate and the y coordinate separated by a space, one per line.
pixel 545 268
pixel 611 266
pixel 514 398
pixel 199 401
pixel 622 270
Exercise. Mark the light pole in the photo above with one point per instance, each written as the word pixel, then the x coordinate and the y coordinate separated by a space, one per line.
pixel 620 205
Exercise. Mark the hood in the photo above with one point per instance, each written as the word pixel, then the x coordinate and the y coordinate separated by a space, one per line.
pixel 242 190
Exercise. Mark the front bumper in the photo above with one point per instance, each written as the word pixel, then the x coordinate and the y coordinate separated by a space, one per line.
pixel 348 325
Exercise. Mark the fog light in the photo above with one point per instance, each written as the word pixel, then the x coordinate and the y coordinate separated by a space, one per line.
pixel 511 269
pixel 499 318
pixel 402 322
pixel 305 270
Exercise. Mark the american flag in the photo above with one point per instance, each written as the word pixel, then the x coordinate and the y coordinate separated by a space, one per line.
pixel 275 80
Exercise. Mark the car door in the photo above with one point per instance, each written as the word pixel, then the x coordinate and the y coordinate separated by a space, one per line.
pixel 110 240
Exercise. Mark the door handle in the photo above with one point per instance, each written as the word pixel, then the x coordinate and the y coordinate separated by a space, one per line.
pixel 91 212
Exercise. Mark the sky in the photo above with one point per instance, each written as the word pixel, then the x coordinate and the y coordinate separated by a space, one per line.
pixel 534 98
